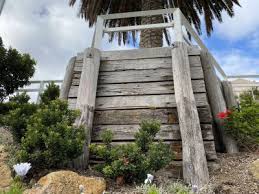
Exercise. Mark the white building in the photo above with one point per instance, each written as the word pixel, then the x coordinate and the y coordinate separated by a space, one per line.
pixel 241 85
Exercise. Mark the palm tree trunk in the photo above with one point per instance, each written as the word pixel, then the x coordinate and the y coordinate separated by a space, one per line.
pixel 151 37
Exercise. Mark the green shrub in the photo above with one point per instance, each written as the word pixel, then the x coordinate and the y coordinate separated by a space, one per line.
pixel 51 140
pixel 146 134
pixel 50 93
pixel 22 98
pixel 15 114
pixel 157 155
pixel 17 119
pixel 107 136
pixel 134 160
pixel 243 123
pixel 13 103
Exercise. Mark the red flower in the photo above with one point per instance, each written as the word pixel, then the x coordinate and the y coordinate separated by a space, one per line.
pixel 224 115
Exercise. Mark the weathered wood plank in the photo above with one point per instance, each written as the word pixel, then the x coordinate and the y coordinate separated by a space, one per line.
pixel 167 132
pixel 134 102
pixel 139 88
pixel 131 117
pixel 139 76
pixel 217 101
pixel 86 101
pixel 229 94
pixel 195 170
pixel 176 146
pixel 209 148
pixel 135 64
pixel 143 53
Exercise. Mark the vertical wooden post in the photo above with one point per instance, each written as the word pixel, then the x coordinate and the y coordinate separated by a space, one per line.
pixel 98 33
pixel 229 94
pixel 217 101
pixel 178 32
pixel 86 100
pixel 67 79
pixel 195 169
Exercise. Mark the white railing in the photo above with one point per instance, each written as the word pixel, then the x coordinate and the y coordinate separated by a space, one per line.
pixel 38 90
pixel 243 76
pixel 179 21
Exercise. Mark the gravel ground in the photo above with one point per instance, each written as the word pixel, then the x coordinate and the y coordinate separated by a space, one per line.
pixel 5 136
pixel 233 176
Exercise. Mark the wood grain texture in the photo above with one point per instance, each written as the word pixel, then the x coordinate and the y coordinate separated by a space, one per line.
pixel 195 170
pixel 139 76
pixel 67 81
pixel 136 64
pixel 85 101
pixel 217 101
pixel 134 102
pixel 131 117
pixel 126 132
pixel 141 53
pixel 128 89
pixel 229 94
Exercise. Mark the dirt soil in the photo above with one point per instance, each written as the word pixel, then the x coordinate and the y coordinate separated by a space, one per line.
pixel 233 175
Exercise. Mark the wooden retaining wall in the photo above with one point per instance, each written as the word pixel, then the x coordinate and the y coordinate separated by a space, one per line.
pixel 138 84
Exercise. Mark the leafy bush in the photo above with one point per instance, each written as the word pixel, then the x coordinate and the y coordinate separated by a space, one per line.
pixel 17 119
pixel 146 134
pixel 107 136
pixel 51 140
pixel 243 123
pixel 44 133
pixel 51 93
pixel 22 98
pixel 15 114
pixel 13 103
pixel 15 70
pixel 134 160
